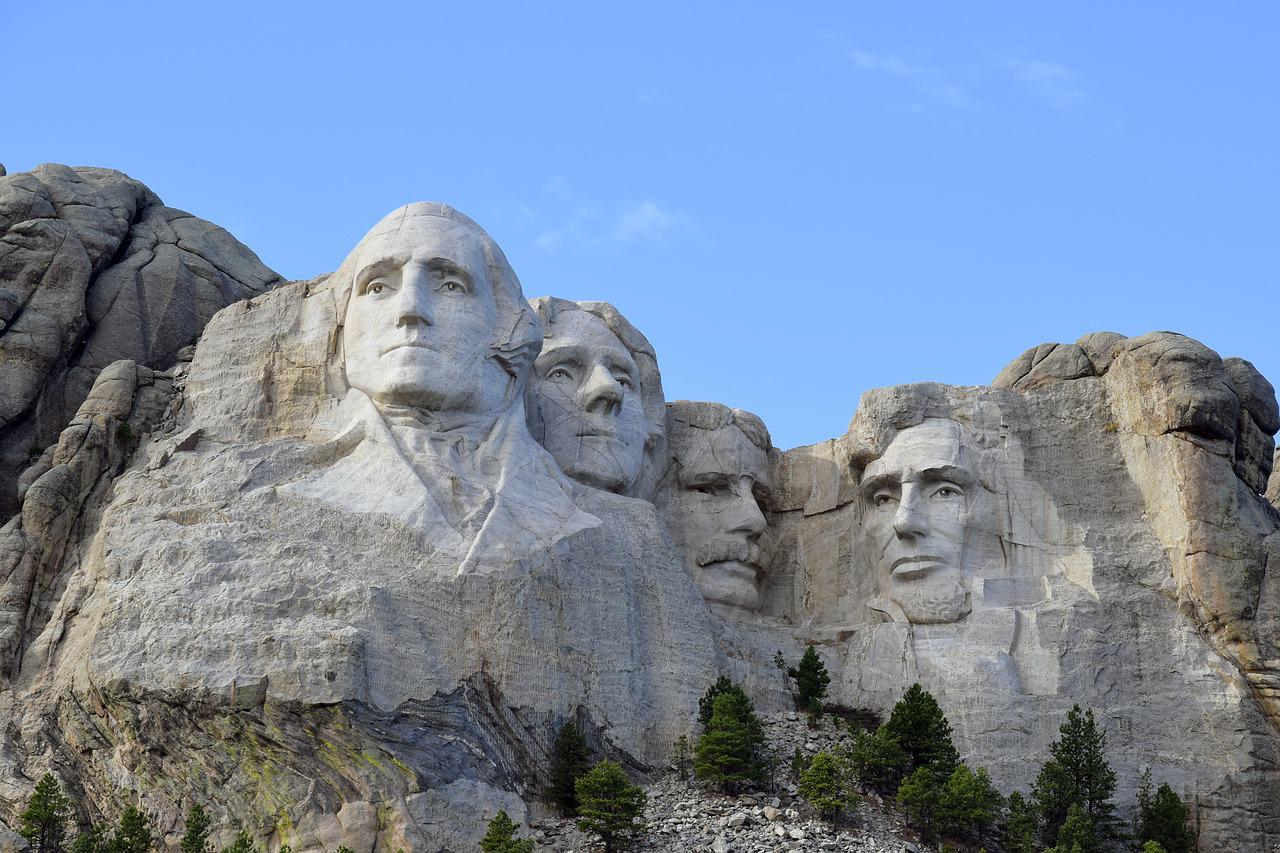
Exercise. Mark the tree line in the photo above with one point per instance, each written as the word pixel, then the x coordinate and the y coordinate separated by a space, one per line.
pixel 909 759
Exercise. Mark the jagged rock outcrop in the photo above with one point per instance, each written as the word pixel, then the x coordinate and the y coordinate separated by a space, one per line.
pixel 324 579
pixel 95 269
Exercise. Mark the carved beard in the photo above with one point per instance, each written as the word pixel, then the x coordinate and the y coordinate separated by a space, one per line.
pixel 931 601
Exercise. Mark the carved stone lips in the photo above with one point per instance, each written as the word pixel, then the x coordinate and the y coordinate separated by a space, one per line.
pixel 913 565
pixel 405 345
pixel 601 431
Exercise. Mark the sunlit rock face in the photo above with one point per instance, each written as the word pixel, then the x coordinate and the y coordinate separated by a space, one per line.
pixel 341 572
pixel 714 500
pixel 595 397
pixel 94 269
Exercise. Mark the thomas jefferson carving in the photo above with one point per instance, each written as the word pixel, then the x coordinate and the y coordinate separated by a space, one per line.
pixel 595 397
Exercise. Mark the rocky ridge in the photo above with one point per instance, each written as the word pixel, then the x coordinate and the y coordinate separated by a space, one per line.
pixel 94 269
pixel 245 564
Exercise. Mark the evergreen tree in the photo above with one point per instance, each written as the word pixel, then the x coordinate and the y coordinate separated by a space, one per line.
pixel 878 760
pixel 610 806
pixel 1153 847
pixel 133 834
pixel 196 837
pixel 243 843
pixel 969 805
pixel 1143 800
pixel 728 751
pixel 811 680
pixel 1078 833
pixel 44 821
pixel 95 839
pixel 570 758
pixel 1020 825
pixel 1163 819
pixel 681 752
pixel 1076 772
pixel 824 783
pixel 501 837
pixel 707 702
pixel 921 729
pixel 920 795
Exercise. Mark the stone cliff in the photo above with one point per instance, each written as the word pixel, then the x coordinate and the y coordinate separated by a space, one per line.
pixel 342 571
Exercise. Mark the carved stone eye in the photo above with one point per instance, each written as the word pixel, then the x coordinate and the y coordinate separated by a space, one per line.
pixel 374 288
pixel 454 287
pixel 558 373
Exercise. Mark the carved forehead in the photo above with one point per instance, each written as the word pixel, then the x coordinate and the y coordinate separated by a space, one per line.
pixel 424 236
pixel 931 445
pixel 584 333
pixel 726 450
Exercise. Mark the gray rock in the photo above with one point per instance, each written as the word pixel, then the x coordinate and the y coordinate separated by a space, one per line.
pixel 94 269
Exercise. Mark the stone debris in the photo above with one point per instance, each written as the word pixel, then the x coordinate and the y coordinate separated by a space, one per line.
pixel 687 816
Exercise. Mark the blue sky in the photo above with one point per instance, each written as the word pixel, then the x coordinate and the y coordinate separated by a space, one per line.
pixel 795 205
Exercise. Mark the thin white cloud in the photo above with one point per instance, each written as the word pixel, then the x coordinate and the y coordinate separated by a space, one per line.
pixel 646 221
pixel 933 83
pixel 1057 85
pixel 585 227
pixel 967 86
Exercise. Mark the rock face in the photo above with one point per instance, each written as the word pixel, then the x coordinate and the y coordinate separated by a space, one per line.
pixel 342 572
pixel 95 269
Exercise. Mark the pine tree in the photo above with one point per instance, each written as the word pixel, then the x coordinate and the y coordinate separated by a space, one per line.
pixel 44 821
pixel 1153 847
pixel 825 784
pixel 969 804
pixel 1020 825
pixel 681 752
pixel 921 729
pixel 501 837
pixel 707 702
pixel 243 843
pixel 95 839
pixel 133 834
pixel 610 805
pixel 878 760
pixel 1076 772
pixel 728 751
pixel 920 795
pixel 570 758
pixel 1078 833
pixel 1164 820
pixel 196 837
pixel 812 681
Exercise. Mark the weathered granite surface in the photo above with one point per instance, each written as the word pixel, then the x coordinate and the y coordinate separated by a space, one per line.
pixel 341 572
pixel 95 269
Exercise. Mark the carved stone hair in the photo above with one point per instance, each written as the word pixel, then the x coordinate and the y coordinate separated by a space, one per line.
pixel 683 415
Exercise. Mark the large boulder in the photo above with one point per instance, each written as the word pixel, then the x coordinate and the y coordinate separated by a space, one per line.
pixel 95 269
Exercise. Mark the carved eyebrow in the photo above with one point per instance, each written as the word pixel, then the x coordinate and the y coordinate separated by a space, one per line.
pixel 706 478
pixel 880 481
pixel 377 267
pixel 947 474
pixel 445 265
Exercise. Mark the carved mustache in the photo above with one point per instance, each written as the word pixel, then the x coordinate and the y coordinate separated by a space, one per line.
pixel 726 550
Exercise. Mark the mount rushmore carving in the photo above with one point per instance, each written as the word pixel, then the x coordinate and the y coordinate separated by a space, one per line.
pixel 344 568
